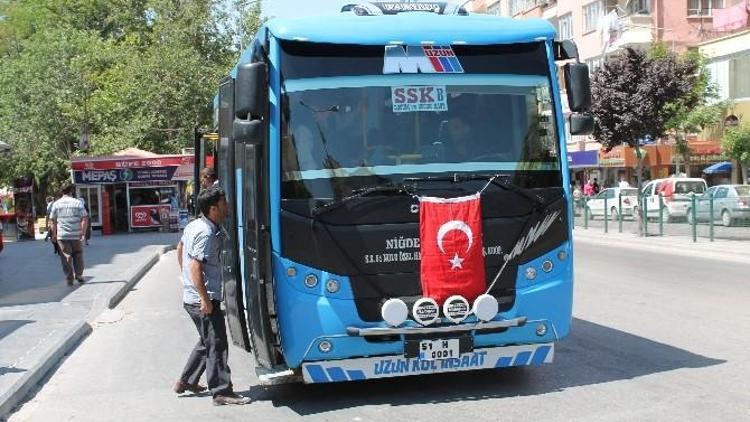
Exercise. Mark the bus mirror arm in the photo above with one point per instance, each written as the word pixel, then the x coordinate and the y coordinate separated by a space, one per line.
pixel 581 123
pixel 248 131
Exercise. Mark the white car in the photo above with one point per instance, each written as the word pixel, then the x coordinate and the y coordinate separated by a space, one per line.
pixel 676 196
pixel 596 204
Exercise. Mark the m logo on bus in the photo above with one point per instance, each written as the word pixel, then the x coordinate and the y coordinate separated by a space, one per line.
pixel 421 59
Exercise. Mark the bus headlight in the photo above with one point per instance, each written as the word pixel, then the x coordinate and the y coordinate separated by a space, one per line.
pixel 394 312
pixel 456 308
pixel 541 329
pixel 485 307
pixel 325 346
pixel 291 271
pixel 562 255
pixel 530 273
pixel 547 266
pixel 332 286
pixel 311 280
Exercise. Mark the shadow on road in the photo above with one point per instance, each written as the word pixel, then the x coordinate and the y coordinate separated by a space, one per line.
pixel 593 354
pixel 8 326
pixel 31 273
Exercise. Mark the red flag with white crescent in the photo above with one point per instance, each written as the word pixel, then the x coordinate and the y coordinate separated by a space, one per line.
pixel 450 237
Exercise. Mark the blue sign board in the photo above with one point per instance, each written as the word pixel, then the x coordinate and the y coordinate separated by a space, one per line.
pixel 580 159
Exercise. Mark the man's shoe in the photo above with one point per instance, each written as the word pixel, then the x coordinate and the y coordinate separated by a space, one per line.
pixel 221 400
pixel 80 280
pixel 180 387
pixel 70 282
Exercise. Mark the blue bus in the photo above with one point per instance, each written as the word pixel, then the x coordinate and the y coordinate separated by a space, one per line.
pixel 331 129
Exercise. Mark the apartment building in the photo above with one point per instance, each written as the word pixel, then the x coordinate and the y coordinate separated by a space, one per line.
pixel 602 27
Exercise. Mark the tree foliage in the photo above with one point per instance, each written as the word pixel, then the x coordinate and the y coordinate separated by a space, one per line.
pixel 137 73
pixel 637 93
pixel 736 142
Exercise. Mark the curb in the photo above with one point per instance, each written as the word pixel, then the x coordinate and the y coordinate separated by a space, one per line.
pixel 132 281
pixel 19 392
pixel 718 250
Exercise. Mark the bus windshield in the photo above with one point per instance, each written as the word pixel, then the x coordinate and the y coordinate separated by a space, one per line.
pixel 404 126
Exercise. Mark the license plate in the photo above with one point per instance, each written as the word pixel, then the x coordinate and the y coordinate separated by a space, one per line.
pixel 439 349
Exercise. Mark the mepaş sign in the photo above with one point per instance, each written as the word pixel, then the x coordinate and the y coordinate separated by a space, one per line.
pixel 124 175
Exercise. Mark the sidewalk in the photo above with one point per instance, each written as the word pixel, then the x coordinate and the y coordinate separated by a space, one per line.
pixel 42 318
pixel 720 249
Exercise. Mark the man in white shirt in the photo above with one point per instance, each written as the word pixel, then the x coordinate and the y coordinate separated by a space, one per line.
pixel 69 221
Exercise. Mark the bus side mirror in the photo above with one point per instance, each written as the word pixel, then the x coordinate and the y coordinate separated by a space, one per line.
pixel 250 103
pixel 249 131
pixel 578 86
pixel 251 91
pixel 581 124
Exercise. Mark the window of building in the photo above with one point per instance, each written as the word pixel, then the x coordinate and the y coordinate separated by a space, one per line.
pixel 593 64
pixel 516 6
pixel 730 77
pixel 494 9
pixel 703 7
pixel 565 28
pixel 739 83
pixel 639 7
pixel 591 14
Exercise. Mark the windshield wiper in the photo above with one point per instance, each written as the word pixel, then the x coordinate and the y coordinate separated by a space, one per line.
pixel 360 193
pixel 503 181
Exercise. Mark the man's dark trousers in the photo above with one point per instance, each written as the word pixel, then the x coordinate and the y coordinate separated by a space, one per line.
pixel 211 351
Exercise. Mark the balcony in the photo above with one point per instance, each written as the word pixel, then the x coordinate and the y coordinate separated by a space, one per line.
pixel 629 31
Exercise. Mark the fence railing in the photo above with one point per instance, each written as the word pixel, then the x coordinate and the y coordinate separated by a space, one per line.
pixel 696 216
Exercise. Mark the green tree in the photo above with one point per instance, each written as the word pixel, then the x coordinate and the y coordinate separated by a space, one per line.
pixel 137 73
pixel 736 145
pixel 637 93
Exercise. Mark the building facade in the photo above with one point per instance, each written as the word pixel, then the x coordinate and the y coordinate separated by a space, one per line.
pixel 604 27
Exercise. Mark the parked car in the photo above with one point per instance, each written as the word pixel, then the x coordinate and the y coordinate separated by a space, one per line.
pixel 731 204
pixel 595 205
pixel 676 196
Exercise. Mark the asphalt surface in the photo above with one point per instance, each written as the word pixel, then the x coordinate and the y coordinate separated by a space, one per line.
pixel 656 336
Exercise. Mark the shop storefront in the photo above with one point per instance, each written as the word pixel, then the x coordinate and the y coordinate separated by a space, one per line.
pixel 620 163
pixel 134 190
pixel 581 164
pixel 703 155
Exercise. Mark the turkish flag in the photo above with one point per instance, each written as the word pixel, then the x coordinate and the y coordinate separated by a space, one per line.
pixel 450 237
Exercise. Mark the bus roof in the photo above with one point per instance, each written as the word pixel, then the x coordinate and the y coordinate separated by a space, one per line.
pixel 412 28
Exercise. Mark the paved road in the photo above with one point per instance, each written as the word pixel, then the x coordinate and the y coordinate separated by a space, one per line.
pixel 655 337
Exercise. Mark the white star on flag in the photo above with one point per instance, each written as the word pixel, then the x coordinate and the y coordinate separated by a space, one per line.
pixel 456 262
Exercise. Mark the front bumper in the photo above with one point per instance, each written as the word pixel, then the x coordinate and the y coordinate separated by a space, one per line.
pixel 396 365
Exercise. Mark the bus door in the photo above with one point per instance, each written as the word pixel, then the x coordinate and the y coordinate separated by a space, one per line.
pixel 256 251
pixel 230 262
pixel 251 158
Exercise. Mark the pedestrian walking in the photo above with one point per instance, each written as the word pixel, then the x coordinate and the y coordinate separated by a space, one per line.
pixel 588 189
pixel 198 257
pixel 69 221
pixel 596 186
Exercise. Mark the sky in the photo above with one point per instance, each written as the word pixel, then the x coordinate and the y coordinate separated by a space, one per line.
pixel 302 8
